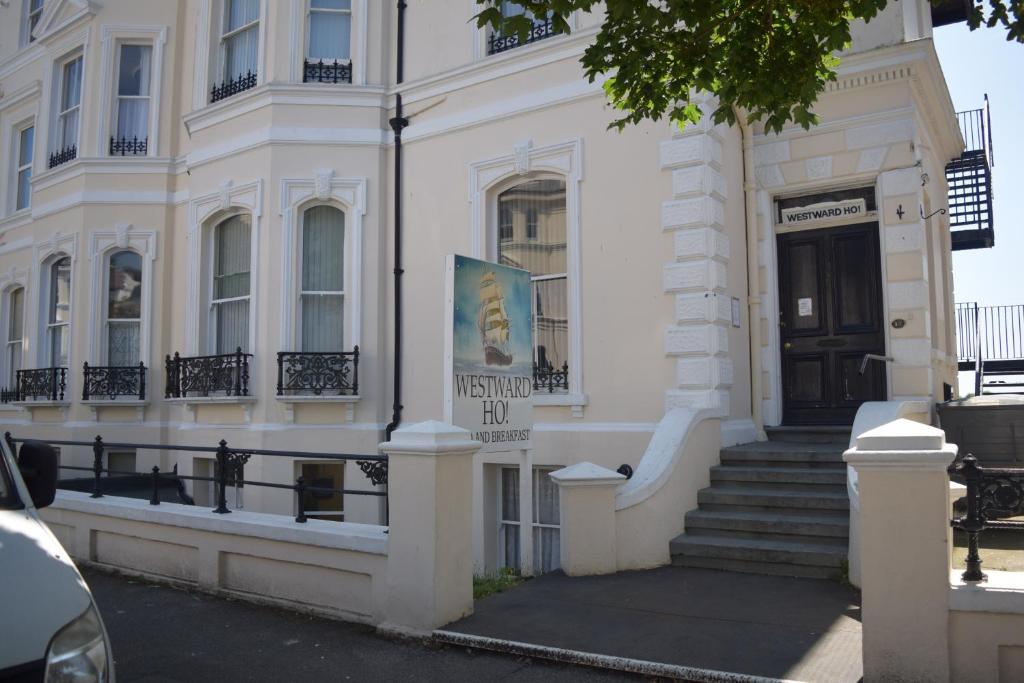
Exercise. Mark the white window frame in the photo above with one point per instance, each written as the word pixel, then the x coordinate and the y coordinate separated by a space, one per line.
pixel 344 269
pixel 527 529
pixel 50 325
pixel 8 371
pixel 106 304
pixel 487 178
pixel 480 36
pixel 113 36
pixel 224 35
pixel 540 471
pixel 58 143
pixel 209 64
pixel 19 167
pixel 45 254
pixel 309 25
pixel 103 243
pixel 212 303
pixel 299 41
pixel 502 522
pixel 26 21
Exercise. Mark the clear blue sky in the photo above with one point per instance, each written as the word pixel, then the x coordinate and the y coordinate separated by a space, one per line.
pixel 976 63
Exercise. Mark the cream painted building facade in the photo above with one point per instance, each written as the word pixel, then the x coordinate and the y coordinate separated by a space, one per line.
pixel 206 176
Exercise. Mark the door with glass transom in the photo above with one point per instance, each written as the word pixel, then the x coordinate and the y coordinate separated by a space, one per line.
pixel 830 316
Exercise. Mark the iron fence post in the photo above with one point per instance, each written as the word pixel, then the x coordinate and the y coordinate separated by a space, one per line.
pixel 974 522
pixel 222 478
pixel 237 389
pixel 355 370
pixel 300 490
pixel 280 373
pixel 97 466
pixel 142 381
pixel 154 499
pixel 85 381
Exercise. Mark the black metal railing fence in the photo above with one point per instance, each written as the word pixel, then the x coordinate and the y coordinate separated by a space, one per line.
pixel 228 470
pixel 991 332
pixel 42 384
pixel 319 71
pixel 318 373
pixel 111 381
pixel 541 29
pixel 994 494
pixel 226 373
pixel 125 146
pixel 551 379
pixel 232 86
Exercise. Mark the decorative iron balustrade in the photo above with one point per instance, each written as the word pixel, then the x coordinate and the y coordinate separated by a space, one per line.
pixel 124 146
pixel 318 373
pixel 232 87
pixel 228 471
pixel 226 374
pixel 326 72
pixel 993 494
pixel 63 156
pixel 550 378
pixel 113 381
pixel 9 395
pixel 42 384
pixel 498 43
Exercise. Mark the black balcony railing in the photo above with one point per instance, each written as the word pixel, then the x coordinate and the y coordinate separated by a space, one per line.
pixel 112 382
pixel 125 146
pixel 232 87
pixel 42 384
pixel 225 374
pixel 551 379
pixel 498 43
pixel 969 178
pixel 318 374
pixel 63 156
pixel 326 72
pixel 9 395
pixel 993 496
pixel 228 472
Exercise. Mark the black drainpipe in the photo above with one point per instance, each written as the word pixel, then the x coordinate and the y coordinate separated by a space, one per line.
pixel 398 123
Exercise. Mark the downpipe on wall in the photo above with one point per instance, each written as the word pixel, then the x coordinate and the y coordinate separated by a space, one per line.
pixel 753 276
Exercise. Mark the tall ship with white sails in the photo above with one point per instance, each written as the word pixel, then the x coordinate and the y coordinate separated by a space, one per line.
pixel 493 321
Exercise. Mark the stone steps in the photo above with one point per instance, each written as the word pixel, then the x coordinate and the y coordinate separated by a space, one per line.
pixel 775 507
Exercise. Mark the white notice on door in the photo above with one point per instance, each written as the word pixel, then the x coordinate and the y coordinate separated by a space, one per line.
pixel 804 307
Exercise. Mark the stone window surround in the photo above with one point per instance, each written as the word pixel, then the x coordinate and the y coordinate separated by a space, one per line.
pixel 208 50
pixel 19 110
pixel 13 280
pixel 112 37
pixel 299 37
pixel 76 45
pixel 486 179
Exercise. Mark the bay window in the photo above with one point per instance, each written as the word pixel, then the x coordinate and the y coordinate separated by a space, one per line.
pixel 532 235
pixel 322 294
pixel 131 125
pixel 240 39
pixel 25 141
pixel 58 326
pixel 123 309
pixel 69 109
pixel 229 303
pixel 15 334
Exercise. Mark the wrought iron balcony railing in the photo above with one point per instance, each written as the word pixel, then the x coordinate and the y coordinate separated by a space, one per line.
pixel 225 374
pixel 9 395
pixel 62 156
pixel 318 374
pixel 551 379
pixel 42 384
pixel 233 87
pixel 993 496
pixel 326 72
pixel 498 43
pixel 111 381
pixel 124 146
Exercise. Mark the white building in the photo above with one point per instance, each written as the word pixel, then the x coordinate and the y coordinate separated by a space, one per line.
pixel 184 180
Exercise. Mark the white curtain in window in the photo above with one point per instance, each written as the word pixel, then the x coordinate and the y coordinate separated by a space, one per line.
pixel 60 312
pixel 546 541
pixel 70 99
pixel 323 279
pixel 124 308
pixel 509 533
pixel 231 284
pixel 133 92
pixel 240 47
pixel 330 29
pixel 15 332
pixel 26 140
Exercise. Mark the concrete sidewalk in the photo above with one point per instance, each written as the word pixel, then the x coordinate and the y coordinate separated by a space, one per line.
pixel 705 620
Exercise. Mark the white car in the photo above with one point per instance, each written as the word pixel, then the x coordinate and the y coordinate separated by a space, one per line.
pixel 50 629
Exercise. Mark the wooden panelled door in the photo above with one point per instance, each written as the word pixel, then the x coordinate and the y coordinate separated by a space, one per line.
pixel 830 316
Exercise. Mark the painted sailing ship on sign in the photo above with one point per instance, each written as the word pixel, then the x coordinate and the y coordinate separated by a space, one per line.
pixel 493 321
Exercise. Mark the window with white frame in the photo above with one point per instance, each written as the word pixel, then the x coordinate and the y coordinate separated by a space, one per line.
pixel 131 115
pixel 329 35
pixel 24 145
pixel 69 105
pixel 239 41
pixel 322 309
pixel 540 28
pixel 15 334
pixel 123 310
pixel 33 11
pixel 532 236
pixel 58 325
pixel 230 287
pixel 545 521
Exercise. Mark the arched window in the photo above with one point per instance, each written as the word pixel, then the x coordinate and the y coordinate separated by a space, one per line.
pixel 532 235
pixel 124 308
pixel 230 289
pixel 322 294
pixel 15 334
pixel 58 325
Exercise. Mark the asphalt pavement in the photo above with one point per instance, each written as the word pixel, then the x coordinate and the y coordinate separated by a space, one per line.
pixel 162 635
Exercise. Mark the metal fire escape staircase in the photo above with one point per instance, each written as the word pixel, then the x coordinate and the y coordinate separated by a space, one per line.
pixel 970 183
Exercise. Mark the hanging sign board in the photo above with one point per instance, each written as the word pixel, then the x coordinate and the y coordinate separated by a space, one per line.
pixel 489 353
pixel 828 212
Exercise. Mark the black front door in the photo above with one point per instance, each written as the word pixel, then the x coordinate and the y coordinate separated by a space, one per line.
pixel 830 316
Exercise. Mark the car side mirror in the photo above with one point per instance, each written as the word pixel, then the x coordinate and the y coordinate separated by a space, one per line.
pixel 37 462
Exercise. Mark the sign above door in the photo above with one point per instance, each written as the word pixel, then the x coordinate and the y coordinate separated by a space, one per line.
pixel 846 211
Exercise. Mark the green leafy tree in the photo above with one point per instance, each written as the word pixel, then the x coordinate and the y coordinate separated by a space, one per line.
pixel 768 58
